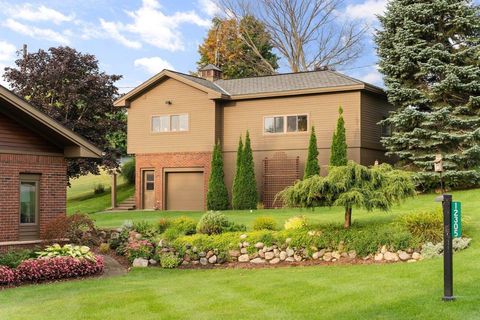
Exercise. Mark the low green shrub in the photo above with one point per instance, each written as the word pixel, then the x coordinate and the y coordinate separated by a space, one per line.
pixel 67 250
pixel 99 188
pixel 430 250
pixel 104 248
pixel 119 242
pixel 145 228
pixel 234 227
pixel 13 258
pixel 139 249
pixel 297 222
pixel 264 223
pixel 212 222
pixel 169 260
pixel 172 234
pixel 128 171
pixel 163 224
pixel 186 225
pixel 426 226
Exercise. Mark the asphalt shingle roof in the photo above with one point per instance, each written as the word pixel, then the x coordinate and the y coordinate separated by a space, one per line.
pixel 203 82
pixel 286 82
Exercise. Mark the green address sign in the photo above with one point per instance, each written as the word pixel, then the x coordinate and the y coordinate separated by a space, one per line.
pixel 456 219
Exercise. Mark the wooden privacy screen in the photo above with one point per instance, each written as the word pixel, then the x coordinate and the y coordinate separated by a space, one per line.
pixel 279 172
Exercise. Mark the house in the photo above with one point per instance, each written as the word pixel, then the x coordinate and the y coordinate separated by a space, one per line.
pixel 33 169
pixel 174 120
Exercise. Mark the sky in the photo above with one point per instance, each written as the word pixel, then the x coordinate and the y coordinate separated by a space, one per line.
pixel 138 38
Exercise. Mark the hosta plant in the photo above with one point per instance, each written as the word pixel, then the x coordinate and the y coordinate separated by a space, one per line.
pixel 67 250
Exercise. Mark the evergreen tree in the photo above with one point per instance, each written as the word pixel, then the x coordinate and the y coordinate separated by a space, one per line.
pixel 248 182
pixel 338 150
pixel 311 167
pixel 217 195
pixel 236 196
pixel 429 56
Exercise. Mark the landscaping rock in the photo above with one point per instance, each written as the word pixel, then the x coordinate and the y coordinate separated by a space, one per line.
pixel 186 263
pixel 283 255
pixel 243 258
pixel 274 261
pixel 259 245
pixel 411 260
pixel 257 261
pixel 269 255
pixel 315 256
pixel 297 257
pixel 327 256
pixel 290 252
pixel 390 256
pixel 344 255
pixel 243 236
pixel 203 261
pixel 209 254
pixel 202 254
pixel 352 254
pixel 245 244
pixel 378 257
pixel 384 249
pixel 416 256
pixel 336 255
pixel 243 250
pixel 290 259
pixel 266 249
pixel 140 263
pixel 234 253
pixel 404 256
pixel 321 253
pixel 276 252
pixel 152 262
pixel 212 259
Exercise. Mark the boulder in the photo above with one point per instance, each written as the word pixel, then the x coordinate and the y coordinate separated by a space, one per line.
pixel 209 254
pixel 411 260
pixel 352 254
pixel 283 255
pixel 234 253
pixel 243 258
pixel 245 244
pixel 390 256
pixel 152 262
pixel 274 261
pixel 269 255
pixel 259 245
pixel 404 256
pixel 202 254
pixel 321 253
pixel 203 261
pixel 212 259
pixel 336 255
pixel 290 252
pixel 416 256
pixel 140 263
pixel 383 250
pixel 276 252
pixel 378 257
pixel 327 256
pixel 266 249
pixel 297 257
pixel 257 261
pixel 243 251
pixel 290 259
pixel 315 256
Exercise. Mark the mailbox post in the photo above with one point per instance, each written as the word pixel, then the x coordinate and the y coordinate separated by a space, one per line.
pixel 447 249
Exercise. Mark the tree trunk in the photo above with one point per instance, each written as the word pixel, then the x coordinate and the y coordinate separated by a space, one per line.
pixel 348 218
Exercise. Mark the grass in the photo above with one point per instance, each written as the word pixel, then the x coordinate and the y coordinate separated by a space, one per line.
pixel 80 196
pixel 378 291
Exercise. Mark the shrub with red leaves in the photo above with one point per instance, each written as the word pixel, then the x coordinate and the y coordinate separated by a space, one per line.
pixel 45 269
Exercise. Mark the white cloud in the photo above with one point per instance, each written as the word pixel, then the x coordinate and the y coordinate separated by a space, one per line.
pixel 113 30
pixel 366 10
pixel 154 27
pixel 7 51
pixel 153 65
pixel 35 32
pixel 29 12
pixel 210 7
pixel 373 77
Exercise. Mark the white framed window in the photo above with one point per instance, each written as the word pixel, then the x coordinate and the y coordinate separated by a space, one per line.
pixel 285 124
pixel 170 123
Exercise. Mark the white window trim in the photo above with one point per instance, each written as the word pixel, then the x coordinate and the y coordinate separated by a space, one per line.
pixel 285 124
pixel 170 117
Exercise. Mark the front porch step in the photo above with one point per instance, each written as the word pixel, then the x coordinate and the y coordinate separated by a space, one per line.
pixel 128 204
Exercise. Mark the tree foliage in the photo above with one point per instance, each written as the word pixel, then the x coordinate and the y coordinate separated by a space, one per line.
pixel 338 150
pixel 429 56
pixel 217 195
pixel 245 194
pixel 236 196
pixel 68 86
pixel 352 186
pixel 224 48
pixel 311 167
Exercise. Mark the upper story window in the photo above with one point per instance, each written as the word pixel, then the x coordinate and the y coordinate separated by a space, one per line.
pixel 170 123
pixel 285 124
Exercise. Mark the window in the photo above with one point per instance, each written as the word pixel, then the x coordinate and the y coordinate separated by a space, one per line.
pixel 29 199
pixel 286 124
pixel 170 123
pixel 150 181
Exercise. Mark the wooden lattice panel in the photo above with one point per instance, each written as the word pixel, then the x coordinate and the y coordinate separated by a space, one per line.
pixel 279 172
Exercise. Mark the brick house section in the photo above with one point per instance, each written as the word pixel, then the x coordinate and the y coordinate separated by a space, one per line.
pixel 53 184
pixel 161 161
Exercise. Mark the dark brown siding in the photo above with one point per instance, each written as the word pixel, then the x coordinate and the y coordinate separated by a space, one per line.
pixel 15 137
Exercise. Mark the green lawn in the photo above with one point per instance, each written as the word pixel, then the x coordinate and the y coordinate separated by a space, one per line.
pixel 80 196
pixel 386 291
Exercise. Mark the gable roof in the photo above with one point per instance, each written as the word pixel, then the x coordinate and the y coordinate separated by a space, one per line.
pixel 257 87
pixel 72 144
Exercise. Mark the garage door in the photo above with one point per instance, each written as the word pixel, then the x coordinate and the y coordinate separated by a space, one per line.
pixel 185 191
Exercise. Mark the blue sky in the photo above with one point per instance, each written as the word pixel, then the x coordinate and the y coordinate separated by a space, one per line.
pixel 139 38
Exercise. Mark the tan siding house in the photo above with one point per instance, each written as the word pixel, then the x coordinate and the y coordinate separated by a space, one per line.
pixel 175 119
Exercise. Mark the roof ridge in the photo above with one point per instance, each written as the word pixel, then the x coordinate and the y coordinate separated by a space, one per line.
pixel 275 75
pixel 200 78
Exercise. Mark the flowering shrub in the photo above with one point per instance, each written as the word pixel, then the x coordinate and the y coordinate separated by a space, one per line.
pixel 67 250
pixel 43 269
pixel 139 249
pixel 297 222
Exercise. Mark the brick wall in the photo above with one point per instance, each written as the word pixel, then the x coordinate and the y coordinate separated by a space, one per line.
pixel 53 181
pixel 160 161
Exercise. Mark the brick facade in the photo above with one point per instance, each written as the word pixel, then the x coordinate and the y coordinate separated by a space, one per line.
pixel 161 161
pixel 53 182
